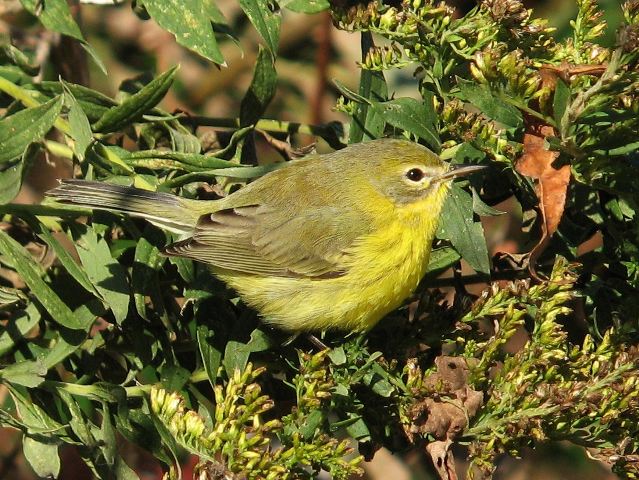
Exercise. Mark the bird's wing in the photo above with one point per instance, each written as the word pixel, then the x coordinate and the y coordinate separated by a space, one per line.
pixel 264 240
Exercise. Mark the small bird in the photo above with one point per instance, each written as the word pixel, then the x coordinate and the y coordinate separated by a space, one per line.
pixel 333 241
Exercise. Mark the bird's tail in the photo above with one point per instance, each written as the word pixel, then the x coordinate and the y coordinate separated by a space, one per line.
pixel 170 212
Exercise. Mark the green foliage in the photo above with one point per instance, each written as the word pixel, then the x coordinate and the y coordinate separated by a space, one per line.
pixel 111 340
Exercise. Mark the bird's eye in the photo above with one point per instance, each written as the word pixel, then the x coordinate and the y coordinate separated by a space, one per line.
pixel 415 174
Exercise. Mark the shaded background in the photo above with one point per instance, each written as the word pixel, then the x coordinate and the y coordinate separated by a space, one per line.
pixel 311 55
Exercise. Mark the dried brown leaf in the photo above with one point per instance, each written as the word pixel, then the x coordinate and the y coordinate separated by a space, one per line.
pixel 443 459
pixel 552 184
pixel 445 411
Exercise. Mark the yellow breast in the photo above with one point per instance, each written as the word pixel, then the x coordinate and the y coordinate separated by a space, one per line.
pixel 382 268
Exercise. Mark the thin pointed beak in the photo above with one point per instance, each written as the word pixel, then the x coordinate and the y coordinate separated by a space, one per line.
pixel 460 171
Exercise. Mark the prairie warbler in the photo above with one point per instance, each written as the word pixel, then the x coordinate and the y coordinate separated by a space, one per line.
pixel 332 241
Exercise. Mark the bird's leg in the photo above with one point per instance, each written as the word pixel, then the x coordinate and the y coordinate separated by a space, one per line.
pixel 290 339
pixel 313 340
pixel 316 342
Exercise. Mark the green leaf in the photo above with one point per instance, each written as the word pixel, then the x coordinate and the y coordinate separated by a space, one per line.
pixel 380 385
pixel 466 153
pixel 14 173
pixel 144 277
pixel 195 160
pixel 466 235
pixel 337 356
pixel 261 90
pixel 93 103
pixel 312 423
pixel 105 392
pixel 29 373
pixel 560 101
pixel 211 356
pixel 43 457
pixel 70 342
pixel 414 116
pixel 105 273
pixel 79 124
pixel 15 330
pixel 617 151
pixel 237 353
pixel 185 268
pixel 184 141
pixel 306 6
pixel 10 54
pixel 11 181
pixel 174 377
pixel 34 419
pixel 108 445
pixel 367 123
pixel 94 56
pixel 190 22
pixel 137 426
pixel 441 259
pixel 31 274
pixel 77 422
pixel 265 21
pixel 480 207
pixel 63 255
pixel 55 15
pixel 123 471
pixel 219 22
pixel 168 441
pixel 134 107
pixel 490 105
pixel 12 297
pixel 358 429
pixel 25 127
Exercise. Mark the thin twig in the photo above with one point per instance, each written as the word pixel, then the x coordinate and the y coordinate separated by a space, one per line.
pixel 322 60
pixel 477 279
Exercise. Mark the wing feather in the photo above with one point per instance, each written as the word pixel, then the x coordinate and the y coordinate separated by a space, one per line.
pixel 260 240
pixel 292 222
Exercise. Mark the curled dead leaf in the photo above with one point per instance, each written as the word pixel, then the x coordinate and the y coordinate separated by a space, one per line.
pixel 552 184
pixel 550 73
pixel 445 411
pixel 443 459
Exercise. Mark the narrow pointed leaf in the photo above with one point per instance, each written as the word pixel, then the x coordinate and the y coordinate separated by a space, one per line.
pixel 134 107
pixel 261 90
pixel 265 21
pixel 31 274
pixel 55 15
pixel 21 129
pixel 190 22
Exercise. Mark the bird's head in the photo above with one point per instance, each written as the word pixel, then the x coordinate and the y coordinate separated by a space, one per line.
pixel 406 172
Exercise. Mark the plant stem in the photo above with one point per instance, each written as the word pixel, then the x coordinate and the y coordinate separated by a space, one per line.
pixel 59 149
pixel 20 94
pixel 90 391
pixel 326 131
pixel 478 278
pixel 43 210
pixel 27 99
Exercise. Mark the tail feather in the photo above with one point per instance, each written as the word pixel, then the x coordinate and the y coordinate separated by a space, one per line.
pixel 167 211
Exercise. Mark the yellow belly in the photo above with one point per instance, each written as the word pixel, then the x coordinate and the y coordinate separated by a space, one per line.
pixel 383 270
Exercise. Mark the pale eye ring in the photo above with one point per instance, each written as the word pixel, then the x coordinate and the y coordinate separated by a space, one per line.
pixel 415 174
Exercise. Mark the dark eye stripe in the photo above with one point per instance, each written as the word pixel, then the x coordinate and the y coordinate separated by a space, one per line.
pixel 415 174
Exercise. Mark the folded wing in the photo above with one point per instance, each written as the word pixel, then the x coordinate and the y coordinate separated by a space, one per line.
pixel 263 240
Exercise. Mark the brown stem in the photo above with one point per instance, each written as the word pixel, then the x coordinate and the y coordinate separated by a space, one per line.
pixel 322 60
pixel 68 56
pixel 477 278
